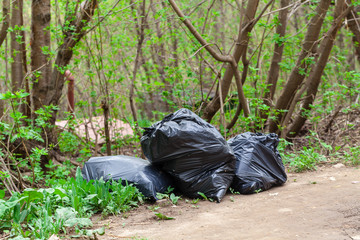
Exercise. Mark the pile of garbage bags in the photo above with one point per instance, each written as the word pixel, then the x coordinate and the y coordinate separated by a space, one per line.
pixel 190 154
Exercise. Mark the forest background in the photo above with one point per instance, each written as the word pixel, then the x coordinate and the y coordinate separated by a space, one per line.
pixel 284 66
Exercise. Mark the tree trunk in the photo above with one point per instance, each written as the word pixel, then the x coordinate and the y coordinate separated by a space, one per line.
pixel 243 78
pixel 273 74
pixel 141 36
pixel 298 73
pixel 47 85
pixel 6 21
pixel 40 46
pixel 17 73
pixel 159 57
pixel 353 24
pixel 75 33
pixel 2 103
pixel 240 47
pixel 314 78
pixel 105 107
pixel 3 33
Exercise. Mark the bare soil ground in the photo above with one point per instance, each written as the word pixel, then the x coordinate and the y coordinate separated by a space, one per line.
pixel 324 204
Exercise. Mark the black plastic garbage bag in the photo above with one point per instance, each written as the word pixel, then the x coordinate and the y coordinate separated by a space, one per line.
pixel 258 164
pixel 146 177
pixel 193 152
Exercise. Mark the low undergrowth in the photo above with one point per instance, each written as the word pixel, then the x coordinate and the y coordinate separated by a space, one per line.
pixel 314 150
pixel 63 209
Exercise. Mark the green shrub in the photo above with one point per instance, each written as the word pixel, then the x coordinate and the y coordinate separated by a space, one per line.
pixel 305 159
pixel 39 213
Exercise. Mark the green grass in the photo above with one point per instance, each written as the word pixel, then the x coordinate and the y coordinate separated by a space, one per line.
pixel 303 160
pixel 352 155
pixel 64 208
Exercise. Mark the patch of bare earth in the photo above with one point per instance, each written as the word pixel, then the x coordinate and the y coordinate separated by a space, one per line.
pixel 314 205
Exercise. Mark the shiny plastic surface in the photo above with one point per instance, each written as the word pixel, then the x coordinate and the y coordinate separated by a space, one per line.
pixel 258 164
pixel 146 177
pixel 193 152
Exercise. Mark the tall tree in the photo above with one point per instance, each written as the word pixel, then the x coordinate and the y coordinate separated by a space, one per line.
pixel 314 79
pixel 3 33
pixel 353 24
pixel 6 20
pixel 48 80
pixel 40 49
pixel 298 73
pixel 140 28
pixel 17 72
pixel 246 25
pixel 273 74
pixel 50 89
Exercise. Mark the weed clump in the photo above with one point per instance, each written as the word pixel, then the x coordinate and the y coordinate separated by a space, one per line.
pixel 64 208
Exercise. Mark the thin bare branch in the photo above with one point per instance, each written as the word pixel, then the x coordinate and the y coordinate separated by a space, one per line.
pixel 219 57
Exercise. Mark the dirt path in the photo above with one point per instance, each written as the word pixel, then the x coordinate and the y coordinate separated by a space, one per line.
pixel 313 205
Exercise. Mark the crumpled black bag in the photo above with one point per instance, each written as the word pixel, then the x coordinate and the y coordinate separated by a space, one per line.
pixel 146 177
pixel 193 152
pixel 258 165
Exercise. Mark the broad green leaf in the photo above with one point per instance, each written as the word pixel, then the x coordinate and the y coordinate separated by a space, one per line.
pixel 6 205
pixel 22 94
pixel 60 192
pixel 3 209
pixel 47 190
pixel 174 199
pixel 50 190
pixel 32 194
pixel 161 195
pixel 91 196
pixel 16 213
pixel 99 231
pixel 65 213
pixel 80 222
pixel 2 194
pixel 162 216
pixel 203 195
pixel 23 215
